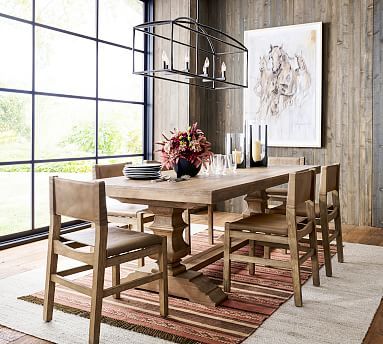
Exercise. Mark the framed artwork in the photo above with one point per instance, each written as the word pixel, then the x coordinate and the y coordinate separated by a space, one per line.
pixel 285 83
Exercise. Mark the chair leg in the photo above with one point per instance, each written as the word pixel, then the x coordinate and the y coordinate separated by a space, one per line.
pixel 294 256
pixel 188 230
pixel 141 228
pixel 266 252
pixel 339 240
pixel 314 258
pixel 325 241
pixel 49 284
pixel 163 287
pixel 210 228
pixel 116 277
pixel 251 254
pixel 227 261
pixel 96 303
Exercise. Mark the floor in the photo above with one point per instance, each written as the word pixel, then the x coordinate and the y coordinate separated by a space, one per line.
pixel 28 257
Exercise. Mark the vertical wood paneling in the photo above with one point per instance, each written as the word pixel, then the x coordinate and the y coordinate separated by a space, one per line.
pixel 171 109
pixel 347 87
pixel 377 199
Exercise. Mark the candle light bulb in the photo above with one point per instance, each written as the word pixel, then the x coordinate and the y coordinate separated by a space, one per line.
pixel 223 70
pixel 187 62
pixel 206 66
pixel 165 60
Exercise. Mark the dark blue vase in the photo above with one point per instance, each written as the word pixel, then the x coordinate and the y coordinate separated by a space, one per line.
pixel 184 167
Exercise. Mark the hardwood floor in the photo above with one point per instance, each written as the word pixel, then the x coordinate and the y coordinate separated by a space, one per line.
pixel 31 256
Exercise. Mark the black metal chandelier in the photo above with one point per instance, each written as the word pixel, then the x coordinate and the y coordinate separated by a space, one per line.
pixel 200 55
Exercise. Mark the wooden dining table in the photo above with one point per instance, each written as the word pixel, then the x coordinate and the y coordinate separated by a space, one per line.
pixel 168 200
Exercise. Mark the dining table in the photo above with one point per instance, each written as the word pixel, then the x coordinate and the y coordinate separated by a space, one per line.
pixel 167 200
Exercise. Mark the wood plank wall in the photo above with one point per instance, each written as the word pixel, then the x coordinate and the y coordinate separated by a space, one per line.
pixel 347 88
pixel 377 201
pixel 171 99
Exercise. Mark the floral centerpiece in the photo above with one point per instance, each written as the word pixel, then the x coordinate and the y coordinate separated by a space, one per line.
pixel 185 151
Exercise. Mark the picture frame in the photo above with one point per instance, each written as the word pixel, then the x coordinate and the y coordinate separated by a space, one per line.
pixel 285 83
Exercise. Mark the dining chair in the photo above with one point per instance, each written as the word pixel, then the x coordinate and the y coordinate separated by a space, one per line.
pixel 119 212
pixel 281 231
pixel 111 246
pixel 325 212
pixel 279 193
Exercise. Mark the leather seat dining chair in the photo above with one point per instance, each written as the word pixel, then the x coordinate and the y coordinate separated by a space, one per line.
pixel 111 246
pixel 119 212
pixel 281 231
pixel 325 212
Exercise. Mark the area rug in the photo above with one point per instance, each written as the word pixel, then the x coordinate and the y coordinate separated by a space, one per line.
pixel 252 300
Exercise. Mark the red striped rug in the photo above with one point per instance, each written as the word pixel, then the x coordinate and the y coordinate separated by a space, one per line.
pixel 252 300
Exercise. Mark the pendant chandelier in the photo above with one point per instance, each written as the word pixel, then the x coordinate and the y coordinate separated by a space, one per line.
pixel 191 53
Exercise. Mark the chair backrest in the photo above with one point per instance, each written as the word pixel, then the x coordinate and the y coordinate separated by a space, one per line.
pixel 301 188
pixel 78 199
pixel 108 171
pixel 284 160
pixel 329 179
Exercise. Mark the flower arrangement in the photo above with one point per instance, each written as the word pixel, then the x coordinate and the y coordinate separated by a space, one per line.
pixel 190 144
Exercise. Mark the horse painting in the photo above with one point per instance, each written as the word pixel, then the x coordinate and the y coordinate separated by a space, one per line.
pixel 283 81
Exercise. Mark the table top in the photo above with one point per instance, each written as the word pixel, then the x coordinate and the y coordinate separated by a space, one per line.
pixel 200 190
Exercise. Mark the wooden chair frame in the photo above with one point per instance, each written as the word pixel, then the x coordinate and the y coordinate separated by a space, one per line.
pixel 301 188
pixel 279 194
pixel 86 201
pixel 329 185
pixel 115 170
pixel 210 221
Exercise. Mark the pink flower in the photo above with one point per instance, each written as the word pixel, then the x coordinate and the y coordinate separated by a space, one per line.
pixel 190 144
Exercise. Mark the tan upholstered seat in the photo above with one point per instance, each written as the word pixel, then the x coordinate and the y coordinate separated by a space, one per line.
pixel 117 208
pixel 119 240
pixel 264 223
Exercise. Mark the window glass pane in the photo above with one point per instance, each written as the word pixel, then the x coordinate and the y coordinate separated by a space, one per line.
pixel 16 54
pixel 15 126
pixel 76 16
pixel 78 170
pixel 65 64
pixel 117 19
pixel 116 80
pixel 17 8
pixel 65 127
pixel 15 206
pixel 120 128
pixel 133 160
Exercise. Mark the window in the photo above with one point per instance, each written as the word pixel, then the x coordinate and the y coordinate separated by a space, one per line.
pixel 68 99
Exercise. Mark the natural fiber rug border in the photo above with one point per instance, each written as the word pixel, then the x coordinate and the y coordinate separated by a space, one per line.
pixel 113 322
pixel 144 329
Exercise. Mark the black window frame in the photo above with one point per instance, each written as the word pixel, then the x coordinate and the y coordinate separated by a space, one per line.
pixel 32 234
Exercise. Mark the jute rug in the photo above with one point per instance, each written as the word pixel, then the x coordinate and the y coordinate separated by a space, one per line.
pixel 252 300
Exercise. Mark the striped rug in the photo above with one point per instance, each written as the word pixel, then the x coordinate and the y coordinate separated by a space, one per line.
pixel 251 301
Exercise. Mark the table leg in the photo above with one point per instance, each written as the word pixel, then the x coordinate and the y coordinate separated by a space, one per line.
pixel 257 204
pixel 189 284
